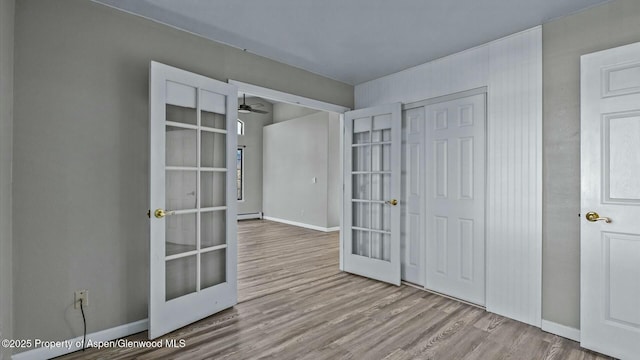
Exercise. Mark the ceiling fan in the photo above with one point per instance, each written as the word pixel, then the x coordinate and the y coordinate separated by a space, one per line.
pixel 246 109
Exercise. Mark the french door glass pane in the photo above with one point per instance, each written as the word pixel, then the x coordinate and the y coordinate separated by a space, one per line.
pixel 213 228
pixel 360 243
pixel 213 188
pixel 180 277
pixel 181 147
pixel 382 135
pixel 380 217
pixel 361 158
pixel 213 269
pixel 180 189
pixel 381 155
pixel 180 233
pixel 361 214
pixel 361 188
pixel 214 149
pixel 373 187
pixel 376 245
pixel 181 114
pixel 213 120
pixel 380 187
pixel 381 246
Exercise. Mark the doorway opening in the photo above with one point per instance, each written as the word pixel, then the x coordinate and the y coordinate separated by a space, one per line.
pixel 289 185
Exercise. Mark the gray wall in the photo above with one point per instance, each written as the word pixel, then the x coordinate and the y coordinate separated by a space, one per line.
pixel 252 139
pixel 284 112
pixel 6 136
pixel 81 154
pixel 564 40
pixel 295 151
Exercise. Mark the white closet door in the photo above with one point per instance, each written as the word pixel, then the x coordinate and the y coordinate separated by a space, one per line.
pixel 372 140
pixel 455 154
pixel 610 224
pixel 192 198
pixel 413 196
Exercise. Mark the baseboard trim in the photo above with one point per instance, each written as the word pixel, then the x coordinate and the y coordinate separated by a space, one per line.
pixel 308 226
pixel 76 343
pixel 561 330
pixel 257 215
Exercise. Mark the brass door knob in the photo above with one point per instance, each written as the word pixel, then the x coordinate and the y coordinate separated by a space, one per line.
pixel 593 216
pixel 392 202
pixel 160 213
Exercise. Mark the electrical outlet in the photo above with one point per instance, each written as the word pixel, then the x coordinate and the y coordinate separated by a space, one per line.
pixel 81 295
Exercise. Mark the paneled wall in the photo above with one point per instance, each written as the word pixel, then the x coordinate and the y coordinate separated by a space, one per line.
pixel 511 68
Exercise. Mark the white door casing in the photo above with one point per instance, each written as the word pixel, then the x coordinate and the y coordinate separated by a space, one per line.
pixel 371 231
pixel 610 176
pixel 455 197
pixel 193 244
pixel 413 200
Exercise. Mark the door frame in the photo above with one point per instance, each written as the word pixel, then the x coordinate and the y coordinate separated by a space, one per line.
pixel 293 99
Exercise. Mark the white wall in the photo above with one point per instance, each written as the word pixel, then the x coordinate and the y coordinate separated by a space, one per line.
pixel 511 68
pixel 6 153
pixel 252 142
pixel 295 152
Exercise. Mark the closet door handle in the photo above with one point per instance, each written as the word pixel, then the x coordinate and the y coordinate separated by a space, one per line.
pixel 593 216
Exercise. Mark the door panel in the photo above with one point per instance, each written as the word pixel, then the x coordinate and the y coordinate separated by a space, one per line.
pixel 455 154
pixel 371 244
pixel 192 198
pixel 610 169
pixel 412 206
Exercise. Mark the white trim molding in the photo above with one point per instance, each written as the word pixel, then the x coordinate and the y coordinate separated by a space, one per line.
pixel 299 224
pixel 250 216
pixel 113 333
pixel 561 330
pixel 292 99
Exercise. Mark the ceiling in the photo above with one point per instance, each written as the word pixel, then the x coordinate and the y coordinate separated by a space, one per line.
pixel 352 41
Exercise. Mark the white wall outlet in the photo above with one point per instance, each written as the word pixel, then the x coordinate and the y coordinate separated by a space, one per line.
pixel 314 179
pixel 81 295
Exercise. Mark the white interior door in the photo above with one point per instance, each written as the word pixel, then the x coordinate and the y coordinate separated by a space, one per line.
pixel 371 240
pixel 610 209
pixel 413 196
pixel 192 198
pixel 455 196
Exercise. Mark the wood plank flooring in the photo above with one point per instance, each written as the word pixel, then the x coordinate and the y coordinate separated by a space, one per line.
pixel 296 304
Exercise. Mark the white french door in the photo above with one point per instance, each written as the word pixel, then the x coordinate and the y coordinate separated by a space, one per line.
pixel 455 198
pixel 192 198
pixel 610 209
pixel 371 235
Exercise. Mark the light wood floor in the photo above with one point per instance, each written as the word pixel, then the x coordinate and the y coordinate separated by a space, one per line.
pixel 296 304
